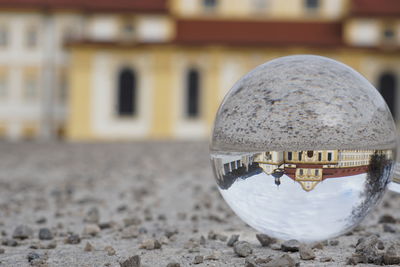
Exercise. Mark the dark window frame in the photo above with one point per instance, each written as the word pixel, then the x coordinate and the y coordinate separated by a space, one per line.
pixel 193 99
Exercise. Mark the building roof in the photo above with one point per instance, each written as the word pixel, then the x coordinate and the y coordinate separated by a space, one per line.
pixel 258 32
pixel 375 8
pixel 90 5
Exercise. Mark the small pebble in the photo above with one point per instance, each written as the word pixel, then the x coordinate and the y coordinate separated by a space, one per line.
pixel 283 261
pixel 45 234
pixel 150 244
pixel 306 253
pixel 92 216
pixel 214 256
pixel 265 240
pixel 22 232
pixel 242 248
pixel 32 256
pixel 41 220
pixel 198 259
pixel 334 242
pixel 9 242
pixel 386 218
pixel 91 230
pixel 392 255
pixel 88 247
pixel 232 240
pixel 387 228
pixel 72 239
pixel 173 264
pixel 325 259
pixel 290 245
pixel 110 250
pixel 133 261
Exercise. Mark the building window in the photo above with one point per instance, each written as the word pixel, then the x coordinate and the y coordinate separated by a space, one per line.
pixel 126 105
pixel 329 156
pixel 301 171
pixel 31 88
pixel 316 172
pixel 193 93
pixel 3 36
pixel 387 87
pixel 311 4
pixel 300 156
pixel 289 155
pixel 127 30
pixel 31 37
pixel 319 156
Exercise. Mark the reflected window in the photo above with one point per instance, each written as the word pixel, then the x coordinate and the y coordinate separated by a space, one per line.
pixel 329 156
pixel 316 172
pixel 210 3
pixel 311 4
pixel 3 36
pixel 301 171
pixel 289 155
pixel 387 87
pixel 126 105
pixel 300 156
pixel 319 156
pixel 193 93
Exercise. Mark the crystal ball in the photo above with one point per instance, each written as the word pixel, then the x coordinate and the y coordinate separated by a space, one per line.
pixel 303 148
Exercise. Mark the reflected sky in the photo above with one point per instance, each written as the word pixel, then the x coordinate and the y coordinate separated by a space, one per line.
pixel 305 216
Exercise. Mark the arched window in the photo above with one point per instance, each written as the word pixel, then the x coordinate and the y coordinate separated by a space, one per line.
pixel 126 105
pixel 387 87
pixel 193 93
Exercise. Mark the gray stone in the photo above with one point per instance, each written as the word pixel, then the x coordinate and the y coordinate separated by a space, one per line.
pixel 242 248
pixel 306 253
pixel 386 218
pixel 367 250
pixel 91 230
pixel 283 261
pixel 9 242
pixel 265 240
pixel 150 244
pixel 392 255
pixel 32 256
pixel 232 240
pixel 92 216
pixel 72 239
pixel 290 245
pixel 22 232
pixel 198 259
pixel 88 247
pixel 110 250
pixel 387 228
pixel 45 234
pixel 334 242
pixel 173 264
pixel 133 261
pixel 325 259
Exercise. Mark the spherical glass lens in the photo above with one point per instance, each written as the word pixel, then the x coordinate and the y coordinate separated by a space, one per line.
pixel 303 147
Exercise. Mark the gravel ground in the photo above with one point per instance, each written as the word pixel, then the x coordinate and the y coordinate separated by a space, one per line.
pixel 101 204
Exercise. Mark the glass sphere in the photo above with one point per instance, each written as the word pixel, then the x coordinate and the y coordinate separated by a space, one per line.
pixel 303 148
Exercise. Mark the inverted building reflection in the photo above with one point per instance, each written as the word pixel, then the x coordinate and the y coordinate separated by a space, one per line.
pixel 308 168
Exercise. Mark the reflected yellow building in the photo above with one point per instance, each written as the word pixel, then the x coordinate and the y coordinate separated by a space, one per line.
pixel 158 69
pixel 309 168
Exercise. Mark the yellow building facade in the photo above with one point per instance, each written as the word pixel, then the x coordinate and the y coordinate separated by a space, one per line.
pixel 158 69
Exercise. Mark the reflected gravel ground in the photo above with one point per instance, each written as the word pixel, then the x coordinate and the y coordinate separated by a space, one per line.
pixel 142 191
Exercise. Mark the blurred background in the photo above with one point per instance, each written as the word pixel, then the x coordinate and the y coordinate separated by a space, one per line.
pixel 85 70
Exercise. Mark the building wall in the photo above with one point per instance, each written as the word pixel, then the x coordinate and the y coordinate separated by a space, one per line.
pixel 161 71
